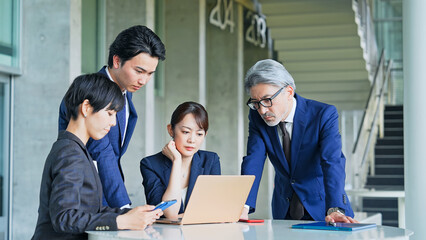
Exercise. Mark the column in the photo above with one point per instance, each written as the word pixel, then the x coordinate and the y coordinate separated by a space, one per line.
pixel 414 115
pixel 137 12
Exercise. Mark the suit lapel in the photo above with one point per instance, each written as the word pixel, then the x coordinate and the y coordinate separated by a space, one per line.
pixel 278 148
pixel 299 127
pixel 103 71
pixel 196 170
pixel 166 173
pixel 118 131
pixel 131 122
pixel 167 164
pixel 121 119
pixel 96 174
pixel 71 136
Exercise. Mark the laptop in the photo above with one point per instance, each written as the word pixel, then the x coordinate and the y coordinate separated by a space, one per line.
pixel 215 199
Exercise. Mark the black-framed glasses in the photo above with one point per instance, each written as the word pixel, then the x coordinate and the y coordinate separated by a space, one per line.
pixel 266 102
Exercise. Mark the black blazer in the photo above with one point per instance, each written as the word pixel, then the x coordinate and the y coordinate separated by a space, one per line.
pixel 108 152
pixel 156 170
pixel 71 194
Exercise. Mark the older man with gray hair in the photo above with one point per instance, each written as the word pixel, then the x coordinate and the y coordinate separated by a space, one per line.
pixel 301 138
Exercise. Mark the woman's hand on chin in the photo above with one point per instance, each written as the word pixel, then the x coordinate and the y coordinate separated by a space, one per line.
pixel 171 152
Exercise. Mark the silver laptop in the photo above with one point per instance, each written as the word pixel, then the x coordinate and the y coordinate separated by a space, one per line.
pixel 215 199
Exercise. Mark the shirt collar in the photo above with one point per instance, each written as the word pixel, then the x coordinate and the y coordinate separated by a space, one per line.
pixel 110 78
pixel 290 116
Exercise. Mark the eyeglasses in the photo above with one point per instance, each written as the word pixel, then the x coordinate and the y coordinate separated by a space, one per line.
pixel 266 102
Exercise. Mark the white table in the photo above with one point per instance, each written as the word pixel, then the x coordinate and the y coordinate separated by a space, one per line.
pixel 270 229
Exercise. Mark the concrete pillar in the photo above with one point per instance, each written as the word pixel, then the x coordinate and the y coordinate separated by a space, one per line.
pixel 414 115
pixel 223 89
pixel 182 76
pixel 149 119
pixel 46 69
pixel 182 60
pixel 251 55
pixel 75 39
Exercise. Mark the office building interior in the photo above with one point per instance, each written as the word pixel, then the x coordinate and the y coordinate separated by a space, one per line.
pixel 363 56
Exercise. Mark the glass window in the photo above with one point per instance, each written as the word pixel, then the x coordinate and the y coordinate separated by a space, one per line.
pixel 160 31
pixel 9 64
pixel 88 41
pixel 9 36
pixel 4 156
pixel 92 35
pixel 388 26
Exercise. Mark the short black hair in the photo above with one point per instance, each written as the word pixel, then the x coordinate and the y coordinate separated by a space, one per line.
pixel 98 89
pixel 133 41
pixel 196 109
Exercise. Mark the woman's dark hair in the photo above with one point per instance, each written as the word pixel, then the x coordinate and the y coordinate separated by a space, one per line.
pixel 98 89
pixel 196 109
pixel 133 41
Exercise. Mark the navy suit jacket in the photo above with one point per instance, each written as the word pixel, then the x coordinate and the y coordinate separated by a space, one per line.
pixel 108 152
pixel 71 194
pixel 317 171
pixel 156 170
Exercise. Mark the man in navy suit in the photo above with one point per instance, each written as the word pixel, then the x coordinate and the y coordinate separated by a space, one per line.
pixel 133 58
pixel 301 139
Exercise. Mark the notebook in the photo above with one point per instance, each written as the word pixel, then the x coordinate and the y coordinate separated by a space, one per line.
pixel 338 227
pixel 215 199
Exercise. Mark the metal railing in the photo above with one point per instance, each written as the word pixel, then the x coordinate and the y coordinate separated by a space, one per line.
pixel 372 124
pixel 362 159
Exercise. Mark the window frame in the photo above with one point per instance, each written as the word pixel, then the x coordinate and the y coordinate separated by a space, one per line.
pixel 6 220
pixel 16 42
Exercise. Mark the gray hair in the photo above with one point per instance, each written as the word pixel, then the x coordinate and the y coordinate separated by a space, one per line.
pixel 268 71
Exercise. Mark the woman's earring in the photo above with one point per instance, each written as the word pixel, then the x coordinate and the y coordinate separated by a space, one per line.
pixel 85 115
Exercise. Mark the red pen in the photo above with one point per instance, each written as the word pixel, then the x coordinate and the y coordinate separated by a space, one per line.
pixel 252 220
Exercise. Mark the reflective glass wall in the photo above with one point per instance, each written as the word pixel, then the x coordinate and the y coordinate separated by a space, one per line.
pixel 4 156
pixel 92 35
pixel 388 26
pixel 9 36
pixel 9 66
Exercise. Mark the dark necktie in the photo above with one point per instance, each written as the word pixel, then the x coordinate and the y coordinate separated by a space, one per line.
pixel 286 143
pixel 297 210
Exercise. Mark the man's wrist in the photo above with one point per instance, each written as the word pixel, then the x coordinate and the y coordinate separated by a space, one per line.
pixel 335 209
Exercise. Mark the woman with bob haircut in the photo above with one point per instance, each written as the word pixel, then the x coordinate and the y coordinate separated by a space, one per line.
pixel 171 173
pixel 71 191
